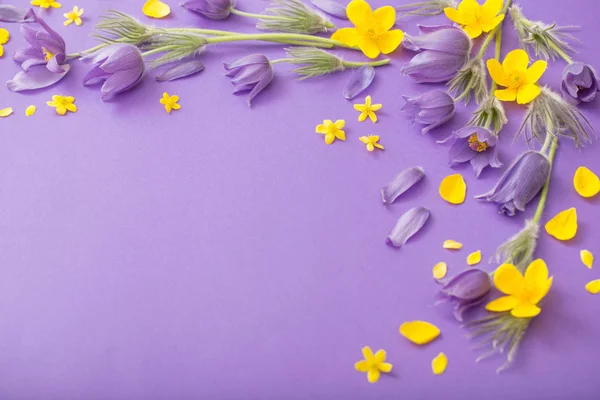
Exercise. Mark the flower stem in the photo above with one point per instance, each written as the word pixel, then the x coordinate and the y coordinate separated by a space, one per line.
pixel 491 35
pixel 497 54
pixel 259 16
pixel 279 37
pixel 544 196
pixel 358 64
pixel 560 52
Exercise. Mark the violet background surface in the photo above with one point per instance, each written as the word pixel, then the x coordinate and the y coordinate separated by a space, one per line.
pixel 226 252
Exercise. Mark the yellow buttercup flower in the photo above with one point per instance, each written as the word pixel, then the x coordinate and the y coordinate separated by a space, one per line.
pixel 474 18
pixel 373 364
pixel 367 110
pixel 156 9
pixel 4 36
pixel 520 81
pixel 332 130
pixel 74 16
pixel 46 3
pixel 523 293
pixel 170 102
pixel 63 104
pixel 371 141
pixel 372 31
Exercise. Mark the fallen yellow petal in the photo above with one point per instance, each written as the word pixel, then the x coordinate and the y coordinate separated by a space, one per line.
pixel 5 112
pixel 593 287
pixel 439 364
pixel 419 332
pixel 586 183
pixel 452 245
pixel 439 270
pixel 564 225
pixel 156 9
pixel 453 189
pixel 474 258
pixel 29 111
pixel 587 258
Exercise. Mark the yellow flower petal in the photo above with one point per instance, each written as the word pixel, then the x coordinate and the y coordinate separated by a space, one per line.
pixel 506 94
pixel 508 279
pixel 380 356
pixel 453 189
pixel 385 367
pixel 362 366
pixel 527 92
pixel 419 332
pixel 453 15
pixel 564 225
pixel 347 36
pixel 367 353
pixel 5 112
pixel 29 111
pixel 525 311
pixel 452 245
pixel 4 36
pixel 587 258
pixel 156 9
pixel 496 72
pixel 389 41
pixel 359 12
pixel 586 183
pixel 537 282
pixel 1 50
pixel 373 375
pixel 535 72
pixel 474 258
pixel 474 31
pixel 516 60
pixel 439 364
pixel 470 10
pixel 593 287
pixel 492 23
pixel 369 47
pixel 491 8
pixel 385 17
pixel 440 270
pixel 503 303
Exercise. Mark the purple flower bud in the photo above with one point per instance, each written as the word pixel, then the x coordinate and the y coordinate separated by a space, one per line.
pixel 252 73
pixel 432 108
pixel 520 183
pixel 465 290
pixel 213 9
pixel 443 50
pixel 579 83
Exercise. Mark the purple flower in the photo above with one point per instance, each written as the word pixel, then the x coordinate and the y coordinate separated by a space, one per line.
pixel 119 66
pixel 44 62
pixel 579 83
pixel 520 183
pixel 443 50
pixel 213 9
pixel 465 290
pixel 474 144
pixel 432 108
pixel 252 73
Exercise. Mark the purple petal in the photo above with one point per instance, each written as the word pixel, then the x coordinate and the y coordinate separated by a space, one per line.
pixel 250 74
pixel 446 39
pixel 181 71
pixel 461 307
pixel 359 81
pixel 331 7
pixel 433 66
pixel 408 225
pixel 460 152
pixel 248 60
pixel 120 81
pixel 479 162
pixel 52 41
pixel 95 75
pixel 10 13
pixel 469 285
pixel 36 78
pixel 403 181
pixel 265 80
pixel 431 99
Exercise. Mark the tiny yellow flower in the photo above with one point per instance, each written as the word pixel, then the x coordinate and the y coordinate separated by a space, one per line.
pixel 419 332
pixel 74 16
pixel 156 9
pixel 453 189
pixel 520 81
pixel 586 183
pixel 367 110
pixel 372 31
pixel 332 130
pixel 373 364
pixel 29 111
pixel 4 36
pixel 476 18
pixel 523 293
pixel 63 104
pixel 564 224
pixel 46 3
pixel 439 364
pixel 5 112
pixel 371 141
pixel 170 102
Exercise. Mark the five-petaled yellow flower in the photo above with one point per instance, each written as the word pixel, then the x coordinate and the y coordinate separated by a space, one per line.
pixel 475 18
pixel 371 141
pixel 74 16
pixel 170 102
pixel 523 293
pixel 63 104
pixel 46 3
pixel 367 110
pixel 372 31
pixel 332 130
pixel 373 364
pixel 520 81
pixel 4 36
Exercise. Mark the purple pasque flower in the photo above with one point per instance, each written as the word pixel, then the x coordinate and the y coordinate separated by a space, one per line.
pixel 119 66
pixel 44 62
pixel 252 73
pixel 465 290
pixel 432 109
pixel 520 183
pixel 213 9
pixel 476 145
pixel 579 83
pixel 444 49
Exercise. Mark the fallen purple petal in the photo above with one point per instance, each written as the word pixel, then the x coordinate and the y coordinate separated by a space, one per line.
pixel 403 181
pixel 359 81
pixel 181 71
pixel 331 7
pixel 408 225
pixel 10 13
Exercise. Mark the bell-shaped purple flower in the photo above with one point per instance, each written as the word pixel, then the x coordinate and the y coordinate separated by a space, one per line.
pixel 119 66
pixel 465 290
pixel 44 62
pixel 213 9
pixel 432 109
pixel 252 73
pixel 476 145
pixel 579 83
pixel 443 50
pixel 520 183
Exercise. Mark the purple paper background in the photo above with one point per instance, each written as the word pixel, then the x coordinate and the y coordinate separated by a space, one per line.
pixel 226 252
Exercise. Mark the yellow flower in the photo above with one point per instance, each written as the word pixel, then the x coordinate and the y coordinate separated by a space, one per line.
pixel 332 130
pixel 523 293
pixel 4 36
pixel 520 81
pixel 453 189
pixel 475 18
pixel 372 31
pixel 74 16
pixel 564 224
pixel 373 364
pixel 371 142
pixel 586 183
pixel 46 3
pixel 156 9
pixel 367 110
pixel 63 104
pixel 170 102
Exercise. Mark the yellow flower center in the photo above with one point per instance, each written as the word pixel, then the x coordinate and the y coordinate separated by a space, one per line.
pixel 476 145
pixel 516 79
pixel 47 55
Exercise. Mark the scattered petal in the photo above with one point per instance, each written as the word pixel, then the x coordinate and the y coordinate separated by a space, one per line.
pixel 452 245
pixel 440 270
pixel 359 81
pixel 564 225
pixel 474 258
pixel 419 332
pixel 181 71
pixel 156 9
pixel 372 142
pixel 29 111
pixel 593 287
pixel 13 14
pixel 408 225
pixel 586 183
pixel 439 364
pixel 403 181
pixel 331 8
pixel 5 112
pixel 587 258
pixel 453 189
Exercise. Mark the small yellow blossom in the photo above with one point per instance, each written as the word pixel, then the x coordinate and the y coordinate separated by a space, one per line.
pixel 371 141
pixel 74 16
pixel 170 102
pixel 29 111
pixel 156 9
pixel 419 332
pixel 63 104
pixel 440 270
pixel 520 81
pixel 476 18
pixel 46 3
pixel 373 364
pixel 593 287
pixel 367 110
pixel 4 37
pixel 332 130
pixel 453 189
pixel 474 258
pixel 5 112
pixel 439 364
pixel 523 293
pixel 587 258
pixel 564 225
pixel 372 31
pixel 586 183
pixel 452 245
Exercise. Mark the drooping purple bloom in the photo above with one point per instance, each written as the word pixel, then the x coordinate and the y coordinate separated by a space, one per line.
pixel 10 13
pixel 408 225
pixel 476 145
pixel 359 81
pixel 443 50
pixel 119 66
pixel 579 83
pixel 44 62
pixel 520 183
pixel 465 290
pixel 401 183
pixel 213 9
pixel 252 73
pixel 432 109
pixel 331 7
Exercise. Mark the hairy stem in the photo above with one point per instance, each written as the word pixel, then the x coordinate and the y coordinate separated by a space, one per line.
pixel 279 37
pixel 544 196
pixel 491 35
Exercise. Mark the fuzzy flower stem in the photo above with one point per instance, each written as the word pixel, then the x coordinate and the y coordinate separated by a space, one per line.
pixel 283 37
pixel 497 54
pixel 560 52
pixel 544 196
pixel 493 33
